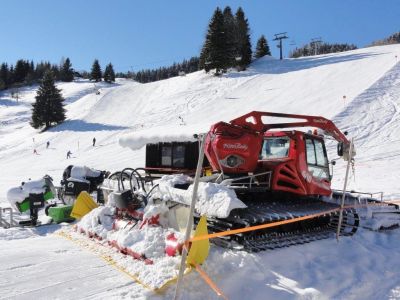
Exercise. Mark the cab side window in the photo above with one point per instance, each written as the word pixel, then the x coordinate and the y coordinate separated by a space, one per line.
pixel 317 159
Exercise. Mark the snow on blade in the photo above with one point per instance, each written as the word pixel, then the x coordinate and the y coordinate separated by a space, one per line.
pixel 213 200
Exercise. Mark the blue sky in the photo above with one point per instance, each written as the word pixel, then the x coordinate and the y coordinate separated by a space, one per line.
pixel 144 34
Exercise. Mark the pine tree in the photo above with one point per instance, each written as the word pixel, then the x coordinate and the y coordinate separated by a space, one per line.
pixel 109 75
pixel 262 47
pixel 21 70
pixel 229 29
pixel 95 73
pixel 213 52
pixel 66 72
pixel 4 76
pixel 243 40
pixel 49 107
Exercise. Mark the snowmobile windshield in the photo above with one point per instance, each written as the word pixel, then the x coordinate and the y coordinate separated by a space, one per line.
pixel 275 147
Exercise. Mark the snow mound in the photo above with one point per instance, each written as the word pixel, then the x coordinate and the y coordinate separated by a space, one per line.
pixel 99 221
pixel 213 200
pixel 216 200
pixel 81 172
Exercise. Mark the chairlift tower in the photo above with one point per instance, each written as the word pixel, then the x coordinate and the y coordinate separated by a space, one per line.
pixel 279 37
pixel 316 43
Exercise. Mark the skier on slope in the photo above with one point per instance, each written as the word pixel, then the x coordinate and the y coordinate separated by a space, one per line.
pixel 94 141
pixel 69 154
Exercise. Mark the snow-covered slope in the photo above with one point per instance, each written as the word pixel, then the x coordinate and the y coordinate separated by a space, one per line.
pixel 370 80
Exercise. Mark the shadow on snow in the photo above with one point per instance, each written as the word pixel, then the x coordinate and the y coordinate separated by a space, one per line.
pixel 79 125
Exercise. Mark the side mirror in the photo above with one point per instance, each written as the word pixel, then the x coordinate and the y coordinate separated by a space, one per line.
pixel 340 149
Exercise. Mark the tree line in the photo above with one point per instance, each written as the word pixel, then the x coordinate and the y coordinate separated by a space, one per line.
pixel 311 49
pixel 392 39
pixel 25 72
pixel 176 69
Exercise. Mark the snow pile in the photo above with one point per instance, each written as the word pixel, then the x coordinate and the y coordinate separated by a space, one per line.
pixel 81 172
pixel 160 210
pixel 216 200
pixel 142 237
pixel 150 240
pixel 213 200
pixel 147 240
pixel 172 180
pixel 99 221
pixel 162 270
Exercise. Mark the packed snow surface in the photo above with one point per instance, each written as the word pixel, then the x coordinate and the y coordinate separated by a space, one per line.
pixel 365 266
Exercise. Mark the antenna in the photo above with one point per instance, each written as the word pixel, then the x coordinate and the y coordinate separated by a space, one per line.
pixel 316 43
pixel 279 37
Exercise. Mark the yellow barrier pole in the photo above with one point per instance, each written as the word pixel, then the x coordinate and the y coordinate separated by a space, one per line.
pixel 189 225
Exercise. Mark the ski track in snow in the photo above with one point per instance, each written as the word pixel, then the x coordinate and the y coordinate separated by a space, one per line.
pixel 37 264
pixel 373 119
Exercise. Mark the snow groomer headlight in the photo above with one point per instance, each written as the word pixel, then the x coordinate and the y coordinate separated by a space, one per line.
pixel 232 161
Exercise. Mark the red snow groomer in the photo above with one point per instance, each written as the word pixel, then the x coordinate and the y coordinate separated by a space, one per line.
pixel 279 175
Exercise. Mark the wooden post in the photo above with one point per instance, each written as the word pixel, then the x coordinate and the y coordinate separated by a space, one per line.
pixel 190 219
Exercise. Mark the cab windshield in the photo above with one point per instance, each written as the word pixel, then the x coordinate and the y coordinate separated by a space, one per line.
pixel 275 147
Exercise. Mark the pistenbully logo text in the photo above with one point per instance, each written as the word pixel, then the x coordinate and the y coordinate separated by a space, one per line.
pixel 236 146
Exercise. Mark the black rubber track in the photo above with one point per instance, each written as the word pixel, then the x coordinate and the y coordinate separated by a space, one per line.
pixel 267 208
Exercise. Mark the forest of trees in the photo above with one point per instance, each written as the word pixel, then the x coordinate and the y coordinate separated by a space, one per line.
pixel 177 69
pixel 25 72
pixel 323 48
pixel 227 43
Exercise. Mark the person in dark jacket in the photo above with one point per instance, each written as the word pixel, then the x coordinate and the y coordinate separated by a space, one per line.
pixel 94 141
pixel 69 154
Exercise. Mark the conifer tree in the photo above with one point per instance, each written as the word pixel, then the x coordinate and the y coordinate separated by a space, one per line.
pixel 4 76
pixel 49 107
pixel 262 47
pixel 229 29
pixel 243 40
pixel 109 75
pixel 66 72
pixel 21 70
pixel 213 51
pixel 95 73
